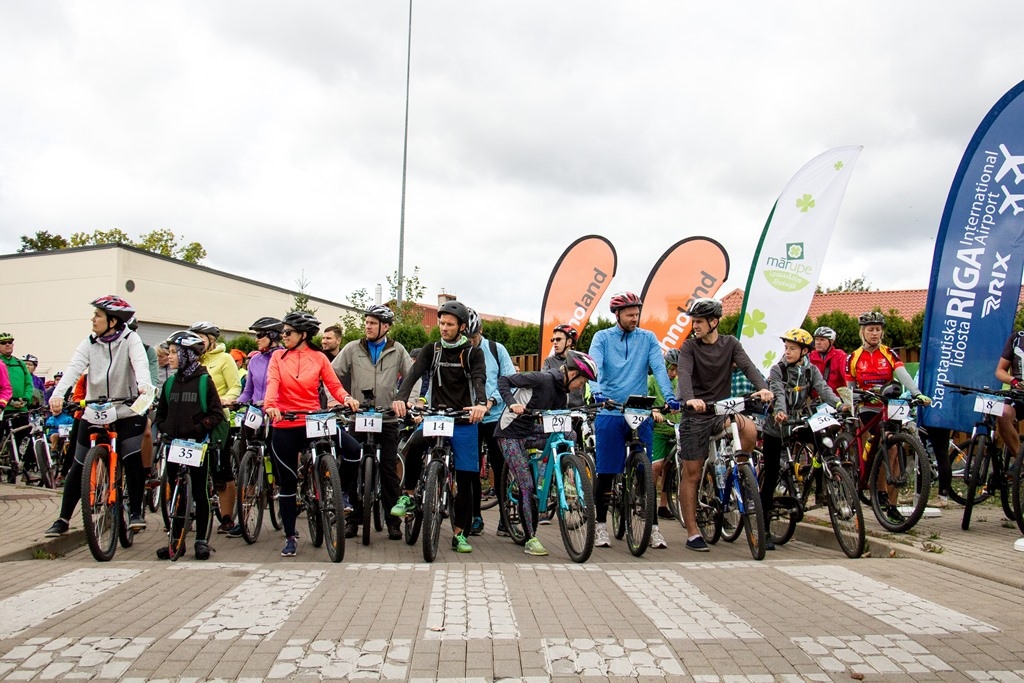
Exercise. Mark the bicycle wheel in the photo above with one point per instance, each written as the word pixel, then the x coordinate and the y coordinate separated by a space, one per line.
pixel 124 532
pixel 845 512
pixel 1003 478
pixel 709 507
pixel 412 524
pixel 511 510
pixel 153 493
pixel 1016 490
pixel 785 512
pixel 670 484
pixel 47 476
pixel 100 514
pixel 615 505
pixel 640 501
pixel 961 469
pixel 753 515
pixel 331 506
pixel 270 491
pixel 577 519
pixel 312 507
pixel 369 495
pixel 488 489
pixel 907 474
pixel 732 518
pixel 180 510
pixel 977 474
pixel 166 487
pixel 433 495
pixel 250 499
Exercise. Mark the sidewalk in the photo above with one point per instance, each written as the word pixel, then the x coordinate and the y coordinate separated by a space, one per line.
pixel 25 514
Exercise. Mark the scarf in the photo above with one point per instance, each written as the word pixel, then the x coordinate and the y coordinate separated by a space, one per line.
pixel 451 345
pixel 188 362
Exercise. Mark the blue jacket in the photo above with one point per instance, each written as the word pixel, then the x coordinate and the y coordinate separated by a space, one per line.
pixel 496 367
pixel 623 360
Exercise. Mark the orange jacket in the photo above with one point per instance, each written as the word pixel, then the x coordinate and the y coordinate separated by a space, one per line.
pixel 293 382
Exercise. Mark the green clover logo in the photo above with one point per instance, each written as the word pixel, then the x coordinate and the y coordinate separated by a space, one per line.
pixel 795 250
pixel 805 203
pixel 769 359
pixel 753 323
pixel 838 165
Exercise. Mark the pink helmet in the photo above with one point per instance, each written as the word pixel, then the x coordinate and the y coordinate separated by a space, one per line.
pixel 624 300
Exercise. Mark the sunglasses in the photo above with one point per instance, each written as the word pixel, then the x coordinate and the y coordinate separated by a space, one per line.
pixel 7 341
pixel 261 335
pixel 555 340
pixel 288 333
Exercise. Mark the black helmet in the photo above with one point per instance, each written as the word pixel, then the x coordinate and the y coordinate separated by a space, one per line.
pixel 301 321
pixel 187 339
pixel 455 308
pixel 381 313
pixel 267 324
pixel 705 308
pixel 871 318
pixel 892 390
pixel 672 357
pixel 205 327
pixel 475 324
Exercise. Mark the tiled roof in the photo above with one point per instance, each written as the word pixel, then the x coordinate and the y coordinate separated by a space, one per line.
pixel 906 302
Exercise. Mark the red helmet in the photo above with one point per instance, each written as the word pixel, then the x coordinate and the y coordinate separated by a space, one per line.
pixel 568 330
pixel 582 363
pixel 115 307
pixel 624 300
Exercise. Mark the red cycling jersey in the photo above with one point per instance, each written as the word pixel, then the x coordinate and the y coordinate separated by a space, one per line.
pixel 872 369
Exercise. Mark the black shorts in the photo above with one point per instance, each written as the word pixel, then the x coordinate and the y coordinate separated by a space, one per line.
pixel 695 432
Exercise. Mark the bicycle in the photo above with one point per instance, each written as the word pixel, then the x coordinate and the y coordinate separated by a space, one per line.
pixel 564 483
pixel 368 479
pixel 811 461
pixel 181 510
pixel 160 446
pixel 488 486
pixel 39 445
pixel 255 481
pixel 988 467
pixel 11 463
pixel 634 500
pixel 898 502
pixel 728 500
pixel 320 487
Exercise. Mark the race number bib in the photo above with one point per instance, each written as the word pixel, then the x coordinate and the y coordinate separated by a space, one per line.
pixel 898 410
pixel 185 452
pixel 557 421
pixel 64 430
pixel 820 421
pixel 321 425
pixel 100 413
pixel 438 425
pixel 369 422
pixel 237 418
pixel 988 404
pixel 635 417
pixel 253 417
pixel 730 406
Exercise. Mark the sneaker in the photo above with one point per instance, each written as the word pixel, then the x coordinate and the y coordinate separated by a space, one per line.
pixel 137 523
pixel 403 506
pixel 545 518
pixel 59 528
pixel 163 553
pixel 501 531
pixel 769 544
pixel 657 540
pixel 601 537
pixel 460 545
pixel 203 550
pixel 894 514
pixel 290 547
pixel 225 526
pixel 346 504
pixel 394 532
pixel 477 527
pixel 152 483
pixel 236 531
pixel 351 528
pixel 697 544
pixel 665 513
pixel 942 503
pixel 533 547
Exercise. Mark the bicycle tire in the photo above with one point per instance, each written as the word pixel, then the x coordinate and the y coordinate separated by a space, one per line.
pixel 732 518
pixel 369 497
pixel 709 515
pixel 577 521
pixel 99 517
pixel 781 522
pixel 159 464
pixel 616 507
pixel 640 501
pixel 331 506
pixel 312 506
pixel 1003 479
pixel 270 492
pixel 977 474
pixel 511 507
pixel 753 522
pixel 488 490
pixel 432 508
pixel 670 485
pixel 913 483
pixel 124 531
pixel 845 512
pixel 180 511
pixel 1017 493
pixel 412 523
pixel 961 470
pixel 44 464
pixel 165 499
pixel 250 498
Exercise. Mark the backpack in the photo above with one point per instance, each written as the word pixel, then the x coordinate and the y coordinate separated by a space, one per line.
pixel 219 434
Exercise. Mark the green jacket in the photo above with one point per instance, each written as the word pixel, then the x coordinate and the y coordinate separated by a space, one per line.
pixel 668 426
pixel 21 381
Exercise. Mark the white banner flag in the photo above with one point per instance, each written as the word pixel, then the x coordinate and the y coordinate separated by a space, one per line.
pixel 787 263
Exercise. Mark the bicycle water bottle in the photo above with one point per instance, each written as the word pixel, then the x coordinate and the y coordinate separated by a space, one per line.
pixel 720 471
pixel 269 468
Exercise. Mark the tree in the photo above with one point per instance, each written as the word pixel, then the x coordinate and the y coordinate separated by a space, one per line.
pixel 845 325
pixel 42 241
pixel 242 342
pixel 853 284
pixel 112 236
pixel 301 302
pixel 587 334
pixel 160 241
pixel 412 291
pixel 165 243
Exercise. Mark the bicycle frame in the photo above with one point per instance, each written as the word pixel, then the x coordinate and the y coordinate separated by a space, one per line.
pixel 95 434
pixel 556 447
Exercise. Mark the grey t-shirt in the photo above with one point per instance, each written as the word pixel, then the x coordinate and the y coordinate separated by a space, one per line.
pixel 705 370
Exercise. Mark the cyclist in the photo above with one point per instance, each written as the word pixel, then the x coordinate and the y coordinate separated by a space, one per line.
pixel 498 364
pixel 791 381
pixel 375 364
pixel 457 373
pixel 5 387
pixel 293 384
pixel 21 386
pixel 664 435
pixel 117 367
pixel 549 391
pixel 183 414
pixel 224 373
pixel 624 354
pixel 871 367
pixel 705 374
pixel 1008 371
pixel 31 363
pixel 563 340
pixel 828 358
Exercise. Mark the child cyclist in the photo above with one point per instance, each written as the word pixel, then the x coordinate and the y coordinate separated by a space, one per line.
pixel 549 389
pixel 791 381
pixel 183 413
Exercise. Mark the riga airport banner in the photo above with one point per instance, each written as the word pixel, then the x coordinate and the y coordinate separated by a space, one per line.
pixel 976 270
pixel 691 268
pixel 788 259
pixel 579 279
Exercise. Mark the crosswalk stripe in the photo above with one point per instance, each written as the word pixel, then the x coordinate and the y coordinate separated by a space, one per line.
pixel 468 604
pixel 897 608
pixel 36 605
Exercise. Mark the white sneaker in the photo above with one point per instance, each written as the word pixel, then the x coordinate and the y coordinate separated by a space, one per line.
pixel 657 540
pixel 601 537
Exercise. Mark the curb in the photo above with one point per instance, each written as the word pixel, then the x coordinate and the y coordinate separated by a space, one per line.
pixel 53 546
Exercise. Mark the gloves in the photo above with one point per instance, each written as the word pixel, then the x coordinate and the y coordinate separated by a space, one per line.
pixel 599 398
pixel 924 399
pixel 673 405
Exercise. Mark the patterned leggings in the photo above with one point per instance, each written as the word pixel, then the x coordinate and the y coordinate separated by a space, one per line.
pixel 518 461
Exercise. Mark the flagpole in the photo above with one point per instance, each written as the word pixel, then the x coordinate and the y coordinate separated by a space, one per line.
pixel 405 161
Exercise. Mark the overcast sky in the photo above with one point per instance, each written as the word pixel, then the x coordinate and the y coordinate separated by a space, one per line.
pixel 271 132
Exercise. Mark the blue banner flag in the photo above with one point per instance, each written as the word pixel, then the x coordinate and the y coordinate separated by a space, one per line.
pixel 976 270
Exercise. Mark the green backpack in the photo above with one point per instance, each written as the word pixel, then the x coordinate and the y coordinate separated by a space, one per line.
pixel 219 435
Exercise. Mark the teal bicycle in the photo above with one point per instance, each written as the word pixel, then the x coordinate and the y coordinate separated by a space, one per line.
pixel 565 482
